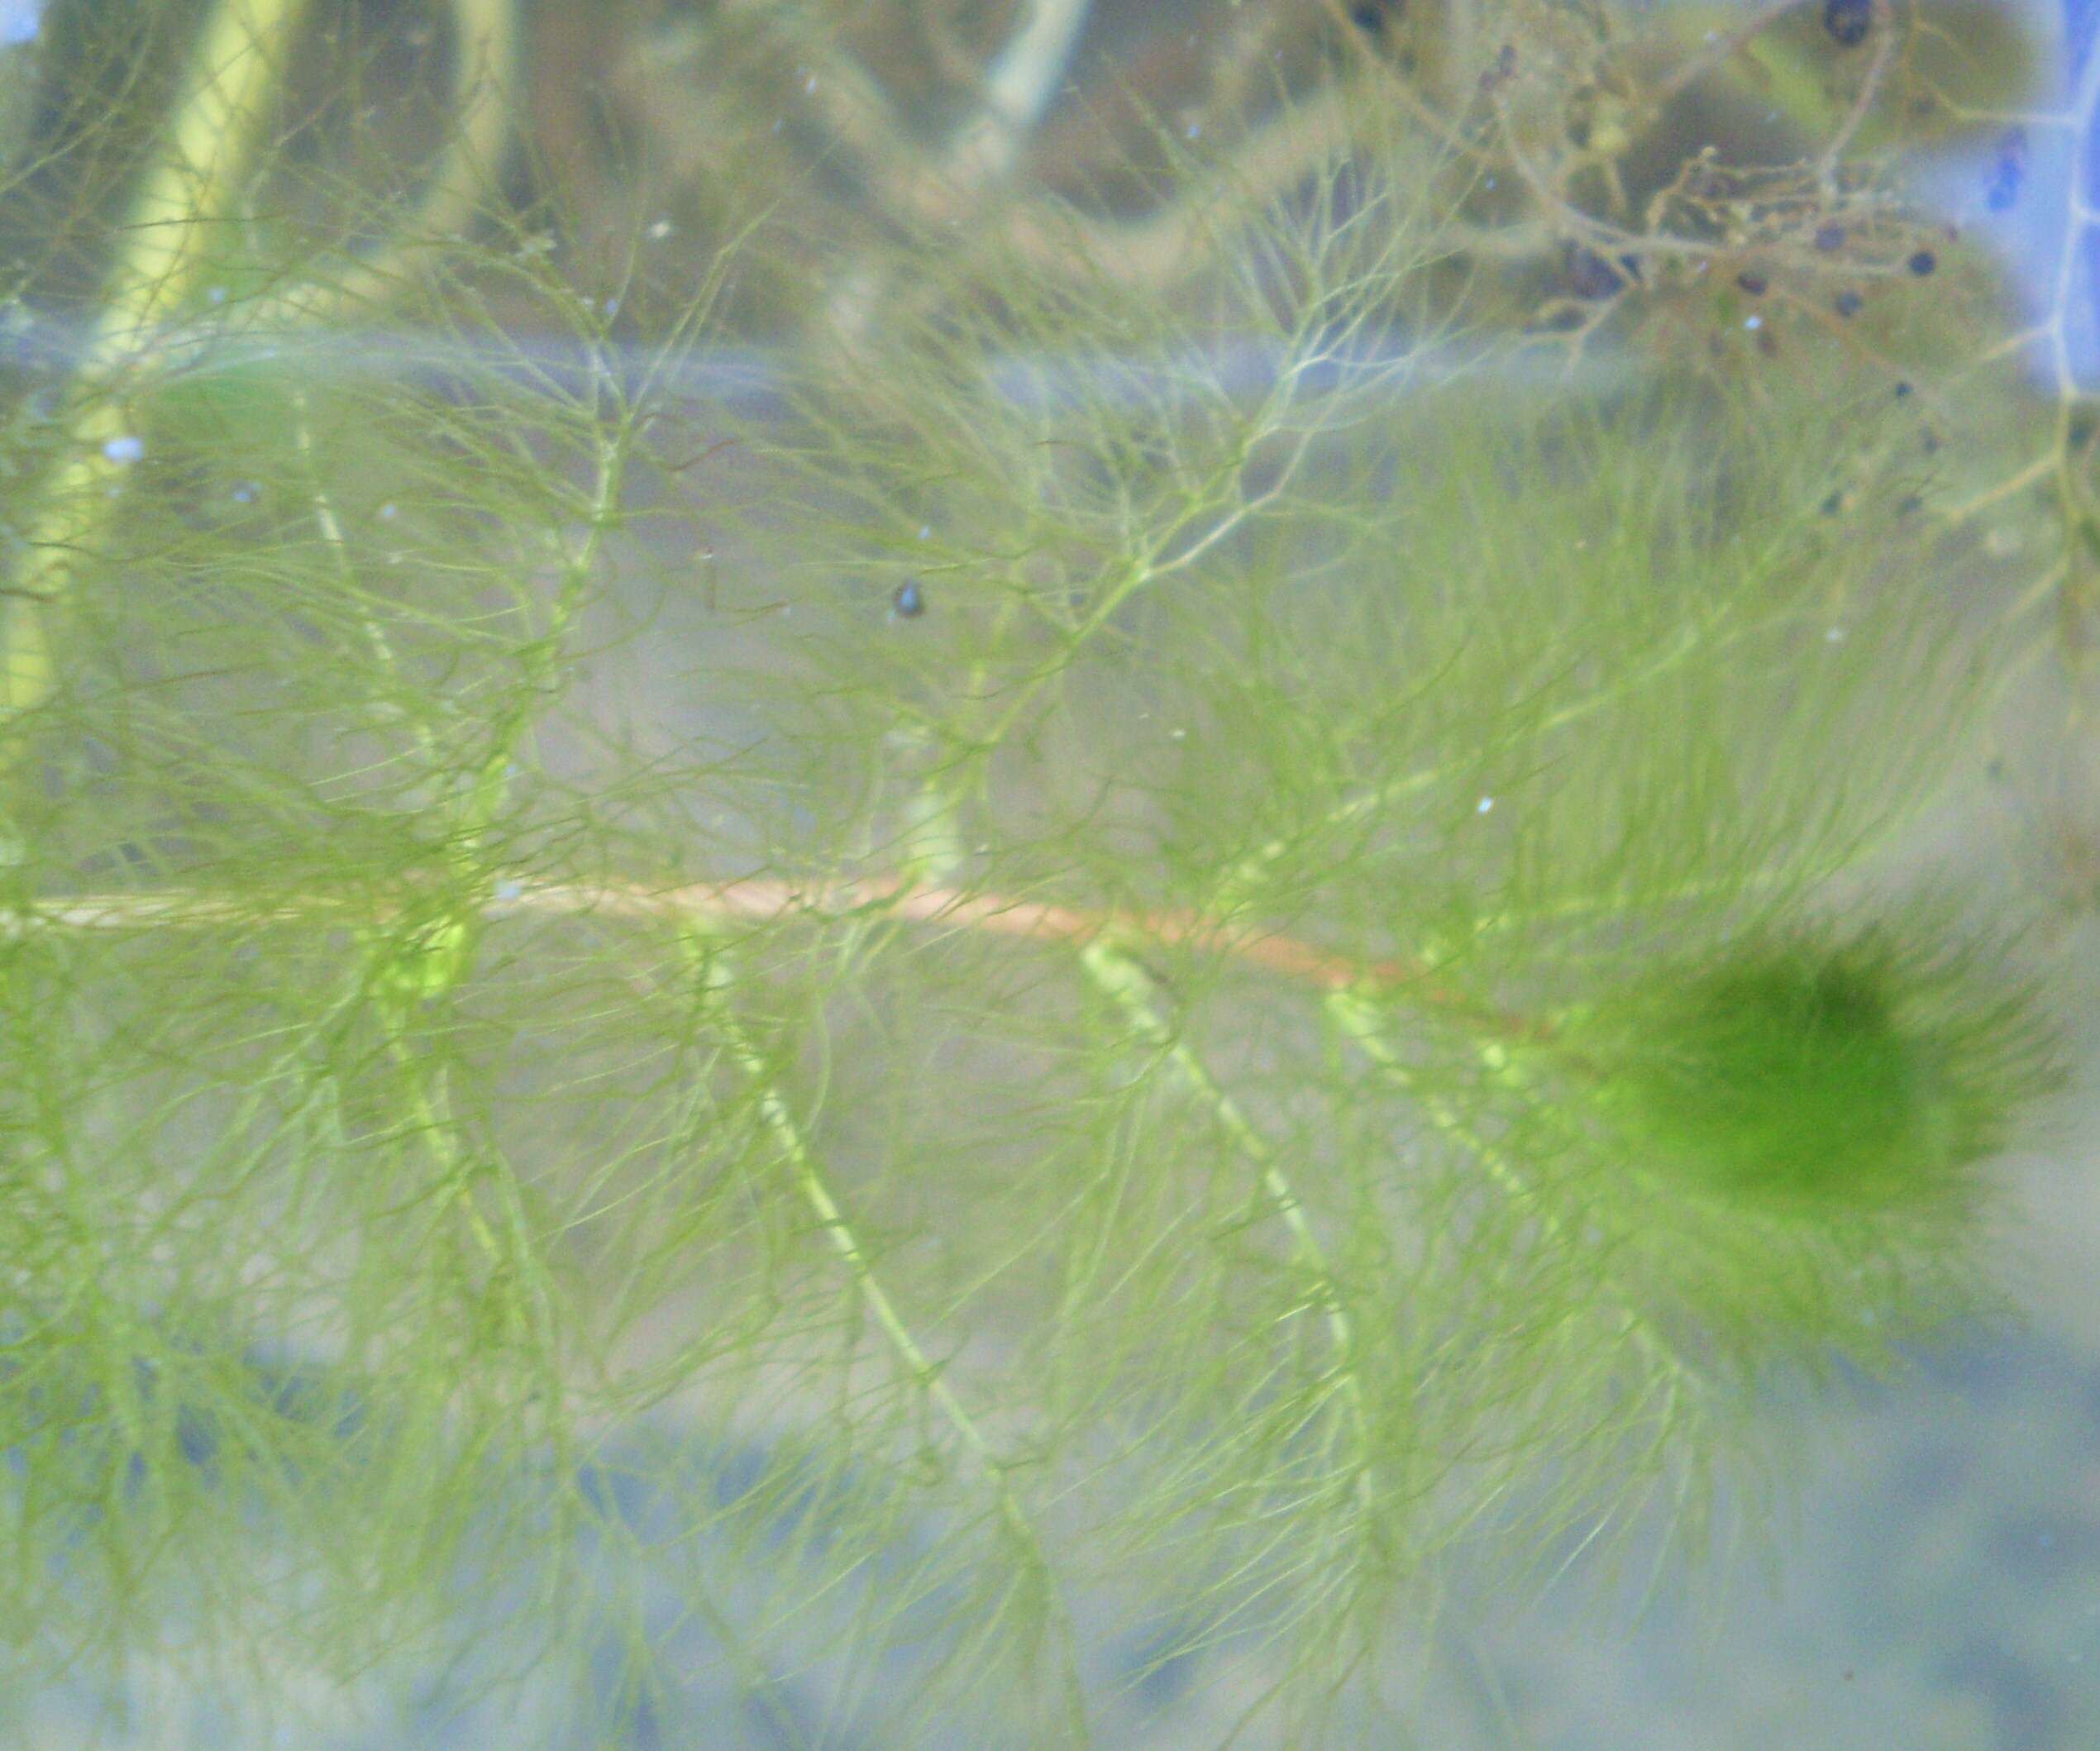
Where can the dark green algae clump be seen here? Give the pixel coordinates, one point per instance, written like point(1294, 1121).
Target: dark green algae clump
point(1801, 1074)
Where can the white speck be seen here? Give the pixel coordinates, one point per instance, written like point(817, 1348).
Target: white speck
point(810, 84)
point(659, 229)
point(1177, 735)
point(1754, 321)
point(1484, 804)
point(1835, 636)
point(611, 307)
point(925, 531)
point(244, 491)
point(1713, 37)
point(509, 889)
point(1489, 184)
point(124, 449)
point(215, 295)
point(1195, 130)
point(20, 20)
point(387, 513)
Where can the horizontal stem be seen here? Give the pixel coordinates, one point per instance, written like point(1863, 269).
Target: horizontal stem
point(764, 899)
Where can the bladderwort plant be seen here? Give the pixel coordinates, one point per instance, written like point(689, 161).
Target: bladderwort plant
point(859, 934)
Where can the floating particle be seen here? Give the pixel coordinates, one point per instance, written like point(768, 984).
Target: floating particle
point(124, 449)
point(1922, 263)
point(1371, 16)
point(1483, 805)
point(388, 513)
point(1590, 275)
point(658, 229)
point(1754, 323)
point(1903, 390)
point(1847, 304)
point(910, 602)
point(1829, 238)
point(1756, 284)
point(244, 491)
point(1848, 21)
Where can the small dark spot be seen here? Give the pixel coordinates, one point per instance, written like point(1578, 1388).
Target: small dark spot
point(1909, 505)
point(1929, 444)
point(910, 602)
point(1631, 264)
point(1505, 61)
point(1848, 21)
point(1590, 275)
point(1371, 17)
point(1756, 284)
point(1768, 343)
point(1833, 504)
point(1829, 237)
point(1902, 389)
point(1848, 303)
point(1922, 263)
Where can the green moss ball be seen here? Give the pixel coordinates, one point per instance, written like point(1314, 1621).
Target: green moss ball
point(1783, 1075)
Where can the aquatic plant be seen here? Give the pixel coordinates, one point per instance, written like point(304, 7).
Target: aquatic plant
point(1048, 858)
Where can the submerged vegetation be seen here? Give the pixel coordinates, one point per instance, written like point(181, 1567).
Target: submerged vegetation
point(849, 840)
